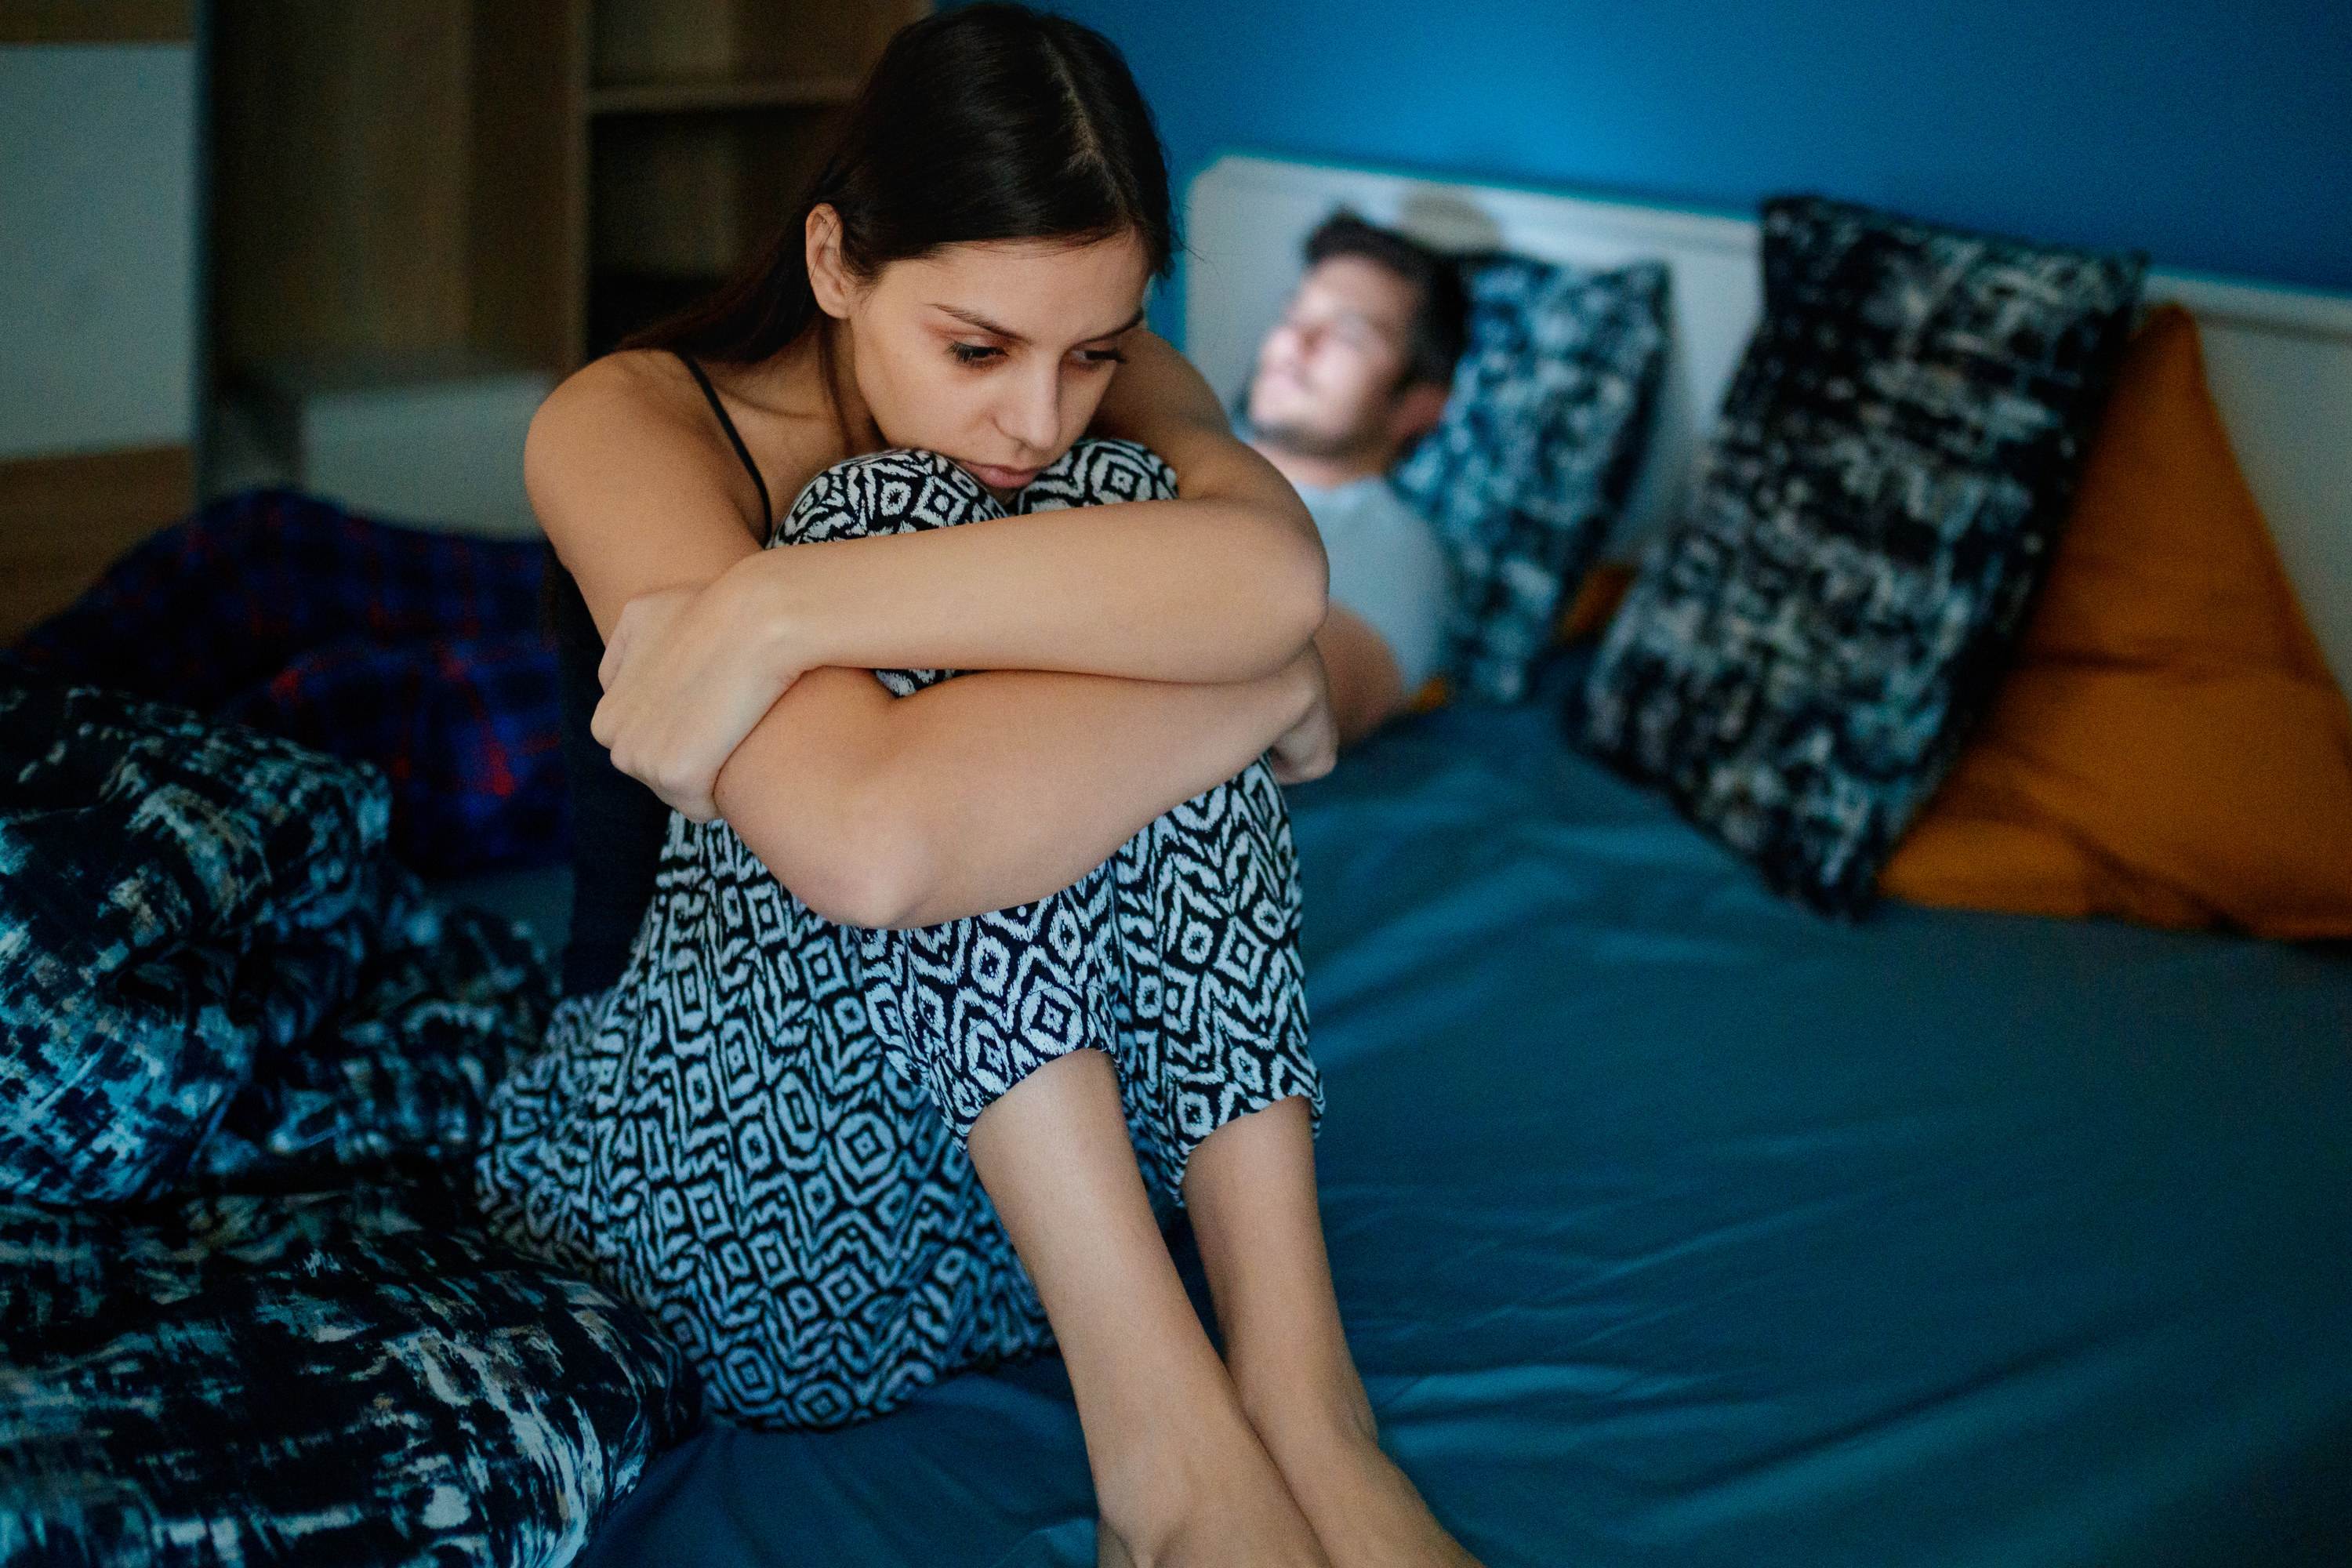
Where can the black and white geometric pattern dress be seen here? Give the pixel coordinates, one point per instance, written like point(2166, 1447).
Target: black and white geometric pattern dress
point(758, 1134)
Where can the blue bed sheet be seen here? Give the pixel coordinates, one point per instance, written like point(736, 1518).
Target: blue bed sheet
point(1675, 1225)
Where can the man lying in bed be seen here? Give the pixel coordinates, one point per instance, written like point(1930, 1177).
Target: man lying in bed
point(1352, 375)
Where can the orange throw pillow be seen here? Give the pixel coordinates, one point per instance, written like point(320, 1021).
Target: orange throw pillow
point(2169, 747)
point(1595, 605)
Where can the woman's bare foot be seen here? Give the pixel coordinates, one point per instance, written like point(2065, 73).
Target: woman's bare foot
point(1208, 1498)
point(1180, 1475)
point(1363, 1511)
point(1251, 1191)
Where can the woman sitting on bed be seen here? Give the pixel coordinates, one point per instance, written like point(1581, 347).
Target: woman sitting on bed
point(940, 989)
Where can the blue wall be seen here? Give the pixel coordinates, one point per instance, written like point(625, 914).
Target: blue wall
point(2216, 136)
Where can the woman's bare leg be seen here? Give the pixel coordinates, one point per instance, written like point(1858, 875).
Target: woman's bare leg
point(1250, 1187)
point(1180, 1474)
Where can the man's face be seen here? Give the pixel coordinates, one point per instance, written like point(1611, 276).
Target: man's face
point(1330, 375)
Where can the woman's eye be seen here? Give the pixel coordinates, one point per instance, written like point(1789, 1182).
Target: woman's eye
point(1101, 356)
point(973, 354)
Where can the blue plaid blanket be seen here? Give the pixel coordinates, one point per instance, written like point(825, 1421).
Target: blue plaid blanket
point(422, 653)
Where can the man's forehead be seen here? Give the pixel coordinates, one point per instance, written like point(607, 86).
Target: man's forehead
point(1362, 287)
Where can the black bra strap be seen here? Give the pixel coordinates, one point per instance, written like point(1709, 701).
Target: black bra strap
point(735, 438)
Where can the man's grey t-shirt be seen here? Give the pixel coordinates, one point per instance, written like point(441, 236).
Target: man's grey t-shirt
point(1387, 567)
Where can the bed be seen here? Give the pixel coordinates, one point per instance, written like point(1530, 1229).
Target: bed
point(1673, 1220)
point(1673, 1223)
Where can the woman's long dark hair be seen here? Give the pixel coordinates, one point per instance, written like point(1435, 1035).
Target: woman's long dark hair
point(990, 121)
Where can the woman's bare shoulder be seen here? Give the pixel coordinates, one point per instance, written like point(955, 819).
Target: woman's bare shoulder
point(644, 406)
point(1157, 394)
point(633, 482)
point(634, 389)
point(1160, 400)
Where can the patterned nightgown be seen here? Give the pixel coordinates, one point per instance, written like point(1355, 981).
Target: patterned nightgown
point(758, 1134)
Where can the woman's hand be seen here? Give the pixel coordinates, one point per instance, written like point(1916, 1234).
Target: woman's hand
point(1309, 748)
point(688, 673)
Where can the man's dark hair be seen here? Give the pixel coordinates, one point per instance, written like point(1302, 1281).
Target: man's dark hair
point(1434, 337)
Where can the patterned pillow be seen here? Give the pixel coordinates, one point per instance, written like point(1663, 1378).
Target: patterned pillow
point(1537, 451)
point(1799, 658)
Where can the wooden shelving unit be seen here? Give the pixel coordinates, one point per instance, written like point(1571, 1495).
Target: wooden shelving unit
point(704, 97)
point(701, 120)
point(520, 181)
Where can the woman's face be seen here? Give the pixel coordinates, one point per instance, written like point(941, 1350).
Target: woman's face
point(994, 355)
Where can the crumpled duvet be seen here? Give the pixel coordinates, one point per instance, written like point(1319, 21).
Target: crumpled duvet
point(418, 651)
point(246, 1315)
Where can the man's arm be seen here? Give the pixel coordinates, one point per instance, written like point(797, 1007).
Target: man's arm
point(1367, 688)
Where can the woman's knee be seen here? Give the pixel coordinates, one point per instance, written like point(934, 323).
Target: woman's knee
point(898, 492)
point(1098, 472)
point(908, 489)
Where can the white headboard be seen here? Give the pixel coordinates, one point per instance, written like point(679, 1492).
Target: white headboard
point(2279, 358)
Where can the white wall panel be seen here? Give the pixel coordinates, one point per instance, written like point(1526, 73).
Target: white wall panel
point(97, 246)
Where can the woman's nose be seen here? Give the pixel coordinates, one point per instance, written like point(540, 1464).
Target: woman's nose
point(1033, 415)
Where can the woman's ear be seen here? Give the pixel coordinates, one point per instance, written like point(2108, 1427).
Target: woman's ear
point(829, 276)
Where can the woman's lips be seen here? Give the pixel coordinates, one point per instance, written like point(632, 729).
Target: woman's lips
point(998, 478)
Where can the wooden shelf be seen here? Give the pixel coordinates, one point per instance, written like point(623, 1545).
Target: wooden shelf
point(721, 94)
point(414, 176)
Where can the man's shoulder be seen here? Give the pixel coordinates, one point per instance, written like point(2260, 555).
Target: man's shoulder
point(1371, 500)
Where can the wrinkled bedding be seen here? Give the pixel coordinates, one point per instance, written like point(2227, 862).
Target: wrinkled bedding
point(246, 1315)
point(1675, 1226)
point(356, 1376)
point(418, 651)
